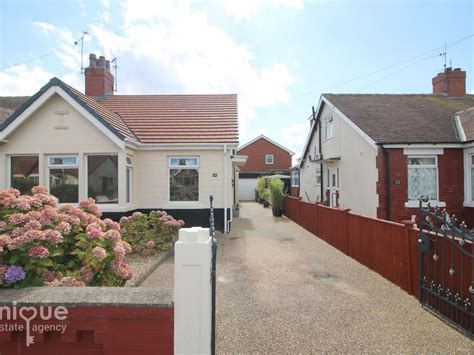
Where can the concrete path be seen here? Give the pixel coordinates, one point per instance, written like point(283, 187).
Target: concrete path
point(283, 290)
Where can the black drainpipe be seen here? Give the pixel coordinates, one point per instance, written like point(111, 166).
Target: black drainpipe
point(388, 201)
point(321, 154)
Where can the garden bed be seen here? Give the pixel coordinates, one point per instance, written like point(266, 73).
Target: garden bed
point(143, 266)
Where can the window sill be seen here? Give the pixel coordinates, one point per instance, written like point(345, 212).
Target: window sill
point(468, 204)
point(416, 204)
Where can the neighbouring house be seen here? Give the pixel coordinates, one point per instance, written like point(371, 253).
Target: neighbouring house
point(265, 157)
point(377, 154)
point(129, 152)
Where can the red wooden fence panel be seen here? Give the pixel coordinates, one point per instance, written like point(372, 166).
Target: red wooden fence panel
point(391, 249)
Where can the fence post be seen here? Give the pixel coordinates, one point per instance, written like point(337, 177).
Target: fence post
point(192, 292)
point(346, 231)
point(409, 224)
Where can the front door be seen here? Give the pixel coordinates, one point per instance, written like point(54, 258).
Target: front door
point(333, 185)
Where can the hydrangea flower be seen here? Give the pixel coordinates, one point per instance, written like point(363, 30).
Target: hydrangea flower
point(99, 253)
point(14, 274)
point(38, 251)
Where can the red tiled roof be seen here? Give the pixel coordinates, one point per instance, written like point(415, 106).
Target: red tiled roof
point(178, 118)
point(112, 118)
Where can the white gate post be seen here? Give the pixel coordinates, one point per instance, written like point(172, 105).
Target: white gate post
point(192, 292)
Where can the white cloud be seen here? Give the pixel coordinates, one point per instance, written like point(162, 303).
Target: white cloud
point(21, 80)
point(68, 52)
point(243, 9)
point(106, 10)
point(170, 47)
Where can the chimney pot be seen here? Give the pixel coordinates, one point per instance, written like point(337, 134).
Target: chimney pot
point(98, 78)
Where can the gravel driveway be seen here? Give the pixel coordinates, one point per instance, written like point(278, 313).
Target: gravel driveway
point(283, 290)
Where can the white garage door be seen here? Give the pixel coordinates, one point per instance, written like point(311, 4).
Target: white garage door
point(247, 189)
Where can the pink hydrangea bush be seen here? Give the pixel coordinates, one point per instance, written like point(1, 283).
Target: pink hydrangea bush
point(42, 244)
point(148, 233)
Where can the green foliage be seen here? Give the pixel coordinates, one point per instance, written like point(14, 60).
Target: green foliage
point(276, 193)
point(148, 233)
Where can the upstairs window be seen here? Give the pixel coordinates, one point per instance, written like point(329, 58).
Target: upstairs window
point(295, 178)
point(102, 178)
point(64, 178)
point(184, 179)
point(328, 128)
point(269, 159)
point(318, 176)
point(422, 177)
point(24, 173)
point(472, 177)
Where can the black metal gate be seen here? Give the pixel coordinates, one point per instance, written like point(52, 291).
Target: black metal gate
point(212, 233)
point(447, 268)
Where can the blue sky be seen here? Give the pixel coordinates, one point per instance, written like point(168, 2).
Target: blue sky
point(278, 55)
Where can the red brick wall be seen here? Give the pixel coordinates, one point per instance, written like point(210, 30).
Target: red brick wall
point(256, 157)
point(450, 179)
point(98, 331)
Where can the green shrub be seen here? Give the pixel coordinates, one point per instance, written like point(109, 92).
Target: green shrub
point(41, 244)
point(148, 233)
point(276, 193)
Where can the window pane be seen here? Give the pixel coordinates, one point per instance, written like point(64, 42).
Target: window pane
point(64, 184)
point(472, 159)
point(102, 178)
point(472, 184)
point(24, 173)
point(63, 160)
point(422, 182)
point(184, 185)
point(184, 161)
point(129, 188)
point(422, 161)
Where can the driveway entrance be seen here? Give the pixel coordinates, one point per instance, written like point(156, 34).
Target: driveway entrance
point(282, 290)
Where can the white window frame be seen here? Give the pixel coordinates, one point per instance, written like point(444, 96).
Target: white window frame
point(197, 167)
point(86, 178)
point(9, 166)
point(318, 176)
point(295, 177)
point(469, 165)
point(328, 127)
point(416, 203)
point(50, 166)
point(266, 159)
point(129, 170)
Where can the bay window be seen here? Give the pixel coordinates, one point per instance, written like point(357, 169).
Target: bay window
point(64, 178)
point(102, 178)
point(24, 173)
point(184, 179)
point(129, 178)
point(422, 177)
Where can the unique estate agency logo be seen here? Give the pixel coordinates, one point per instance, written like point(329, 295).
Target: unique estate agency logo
point(13, 313)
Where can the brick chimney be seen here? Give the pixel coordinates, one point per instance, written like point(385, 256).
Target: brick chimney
point(450, 83)
point(99, 79)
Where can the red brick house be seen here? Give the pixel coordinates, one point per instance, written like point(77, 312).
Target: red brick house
point(265, 157)
point(377, 154)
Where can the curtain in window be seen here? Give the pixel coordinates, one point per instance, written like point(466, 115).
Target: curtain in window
point(422, 182)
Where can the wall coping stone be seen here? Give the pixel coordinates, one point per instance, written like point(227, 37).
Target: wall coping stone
point(88, 297)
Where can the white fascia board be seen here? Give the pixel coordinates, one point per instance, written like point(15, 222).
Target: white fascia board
point(423, 151)
point(459, 128)
point(424, 146)
point(43, 98)
point(268, 140)
point(351, 124)
point(308, 138)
